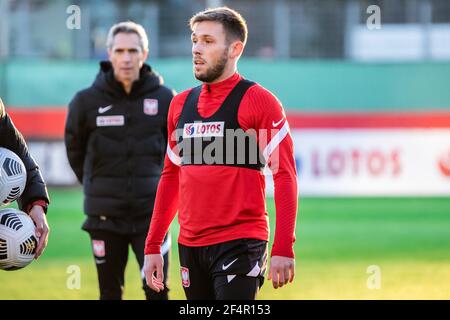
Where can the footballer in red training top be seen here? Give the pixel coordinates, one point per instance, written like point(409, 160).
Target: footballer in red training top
point(223, 135)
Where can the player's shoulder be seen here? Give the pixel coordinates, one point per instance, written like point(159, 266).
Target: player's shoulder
point(259, 95)
point(176, 105)
point(180, 98)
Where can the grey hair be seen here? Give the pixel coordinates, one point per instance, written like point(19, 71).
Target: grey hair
point(128, 27)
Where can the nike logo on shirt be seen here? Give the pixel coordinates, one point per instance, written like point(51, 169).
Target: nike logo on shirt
point(104, 109)
point(275, 124)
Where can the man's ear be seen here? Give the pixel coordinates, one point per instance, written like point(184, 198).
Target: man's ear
point(146, 54)
point(237, 48)
point(109, 54)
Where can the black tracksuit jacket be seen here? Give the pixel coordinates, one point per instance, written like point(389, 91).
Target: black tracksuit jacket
point(12, 139)
point(116, 145)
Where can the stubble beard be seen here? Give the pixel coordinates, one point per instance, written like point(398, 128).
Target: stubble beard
point(216, 71)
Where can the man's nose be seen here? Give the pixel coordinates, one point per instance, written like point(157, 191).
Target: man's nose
point(127, 56)
point(196, 49)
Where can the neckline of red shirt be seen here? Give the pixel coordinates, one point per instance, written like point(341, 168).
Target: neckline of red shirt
point(228, 82)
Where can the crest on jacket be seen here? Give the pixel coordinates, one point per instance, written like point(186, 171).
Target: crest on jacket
point(151, 107)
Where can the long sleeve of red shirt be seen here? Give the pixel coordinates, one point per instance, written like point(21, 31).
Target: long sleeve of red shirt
point(217, 203)
point(166, 202)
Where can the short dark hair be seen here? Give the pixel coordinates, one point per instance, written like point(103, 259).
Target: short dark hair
point(233, 23)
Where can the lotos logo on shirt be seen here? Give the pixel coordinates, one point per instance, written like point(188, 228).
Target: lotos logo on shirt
point(203, 129)
point(189, 130)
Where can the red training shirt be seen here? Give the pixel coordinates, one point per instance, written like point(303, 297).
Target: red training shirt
point(222, 203)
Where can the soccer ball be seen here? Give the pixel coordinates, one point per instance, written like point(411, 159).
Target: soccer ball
point(13, 176)
point(18, 241)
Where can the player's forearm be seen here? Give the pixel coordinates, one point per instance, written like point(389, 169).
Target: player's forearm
point(158, 228)
point(166, 206)
point(286, 203)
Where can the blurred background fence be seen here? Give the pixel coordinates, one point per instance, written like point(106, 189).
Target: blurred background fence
point(306, 29)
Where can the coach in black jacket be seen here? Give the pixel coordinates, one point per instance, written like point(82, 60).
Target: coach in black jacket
point(34, 199)
point(116, 137)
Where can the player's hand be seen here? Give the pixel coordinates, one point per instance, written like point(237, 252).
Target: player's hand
point(154, 263)
point(282, 271)
point(37, 214)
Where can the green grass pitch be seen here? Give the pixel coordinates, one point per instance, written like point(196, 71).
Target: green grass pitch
point(338, 239)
